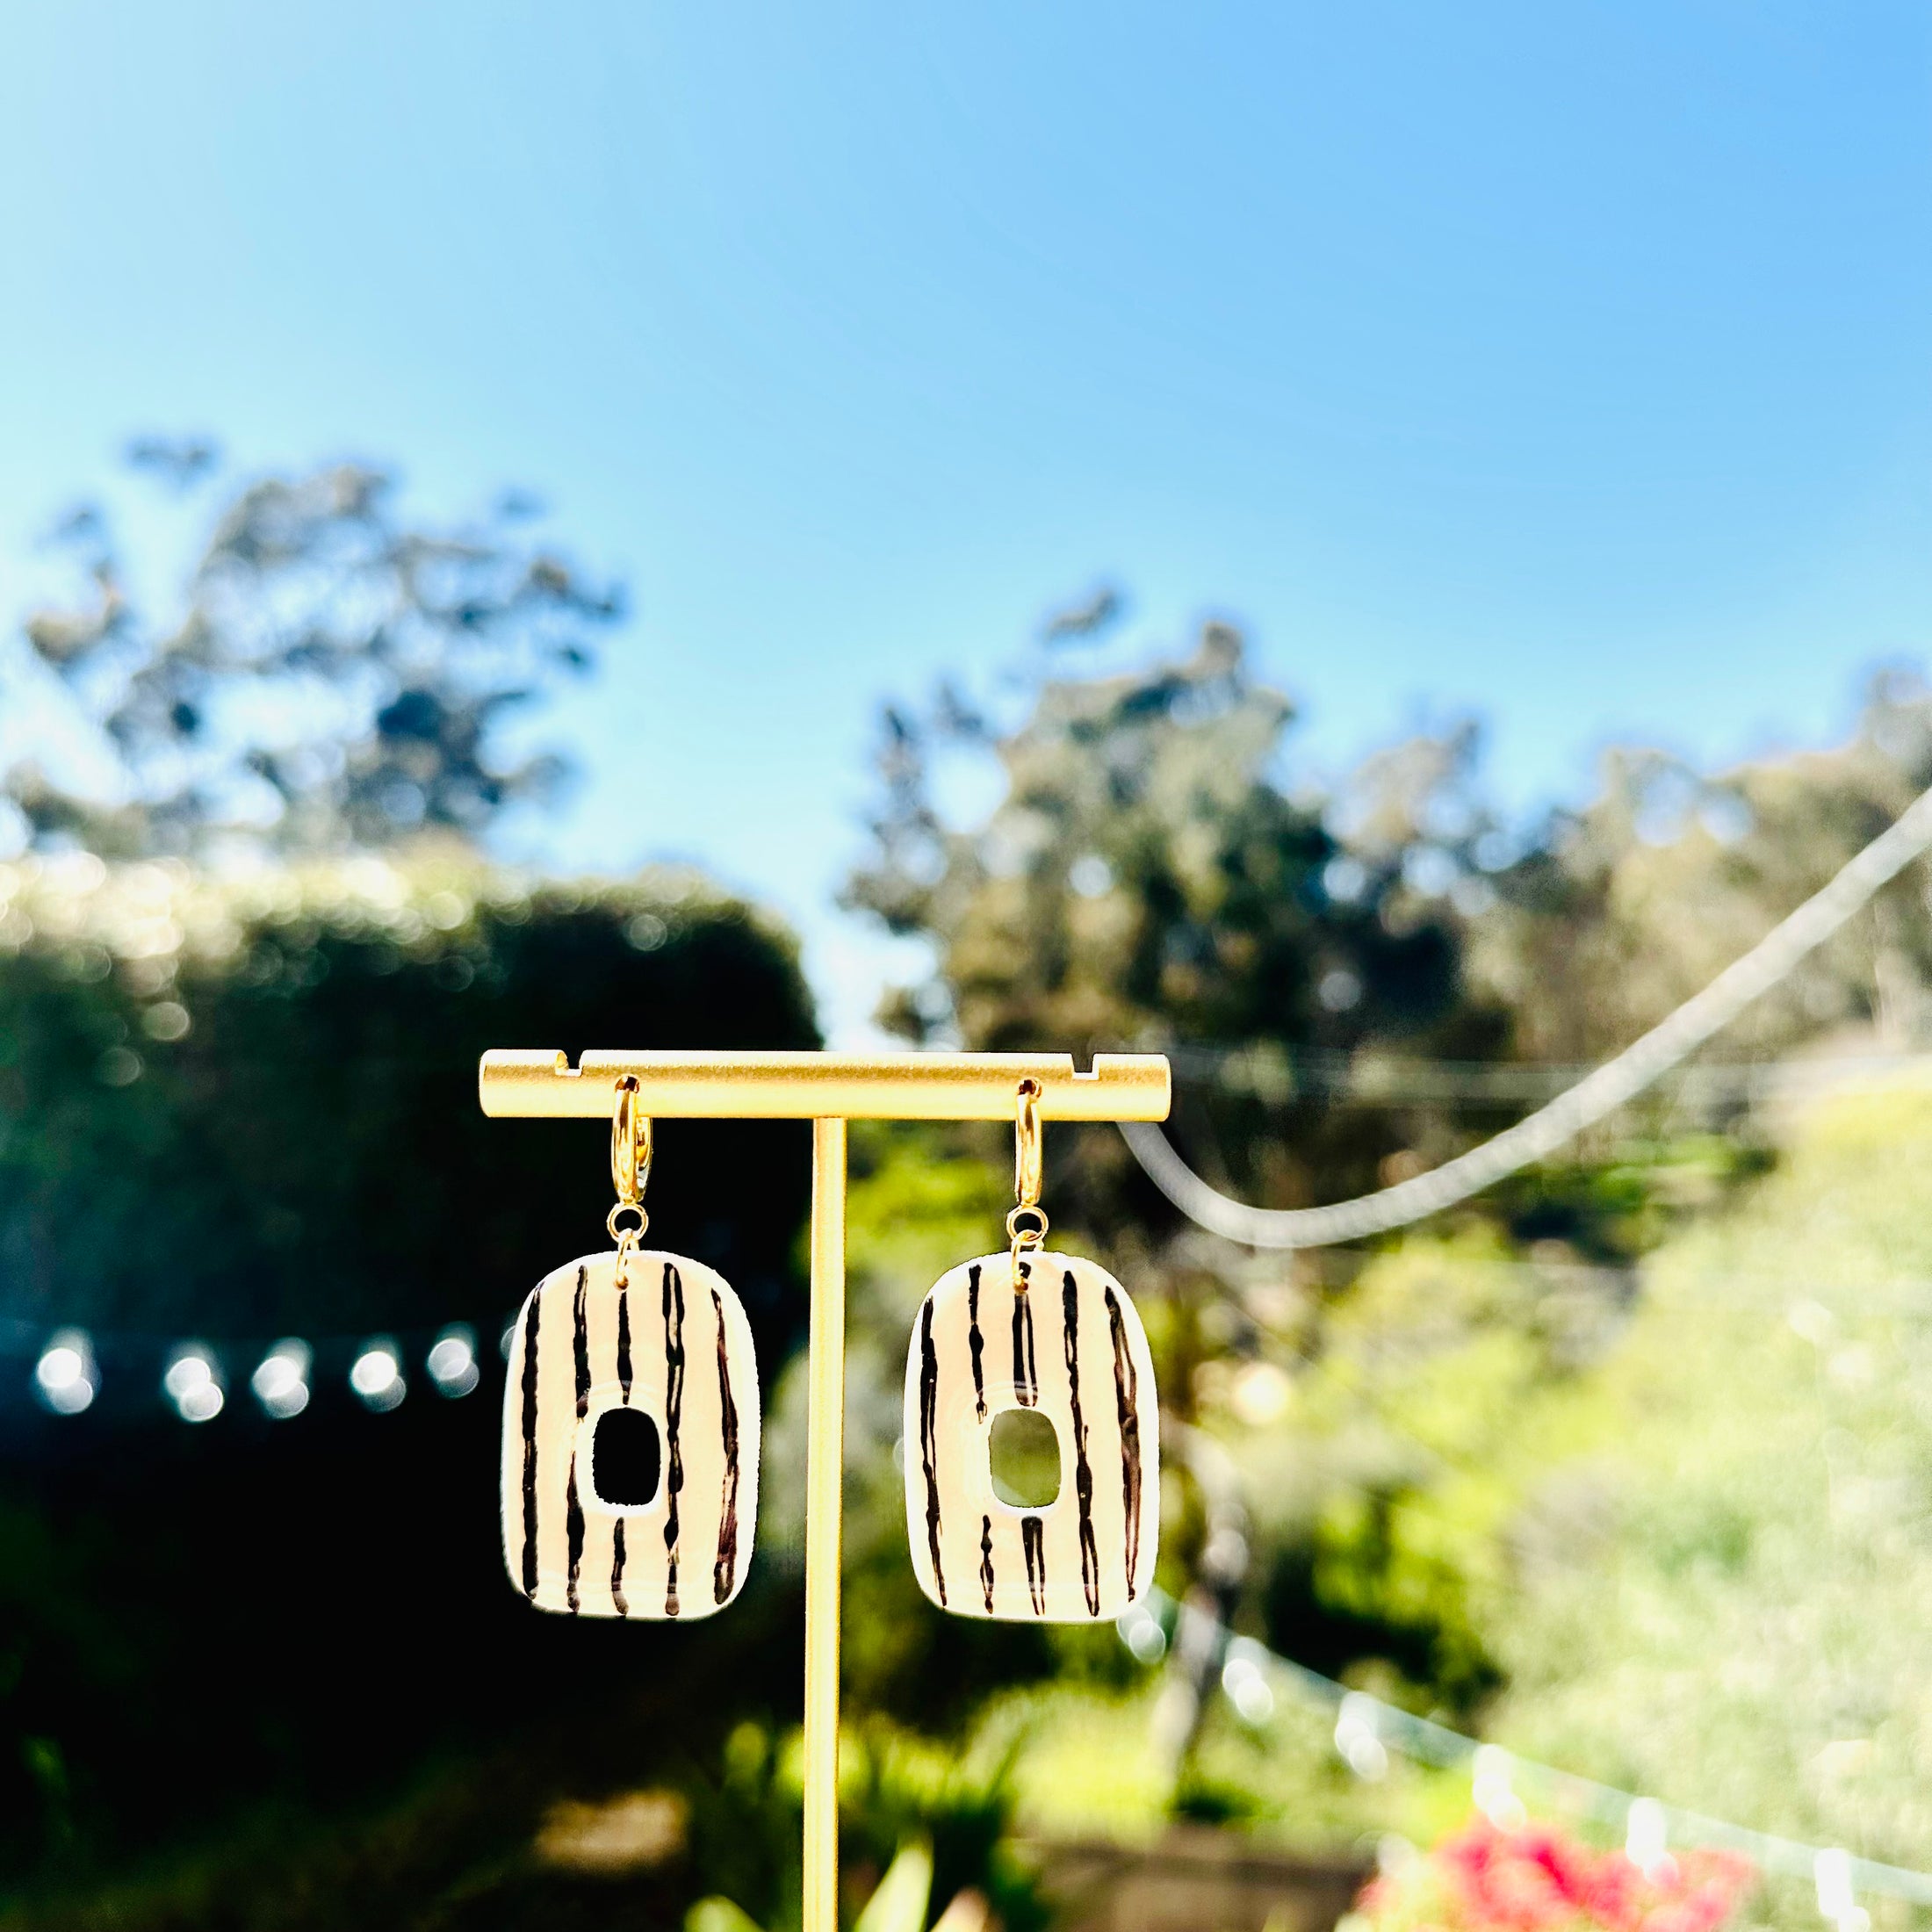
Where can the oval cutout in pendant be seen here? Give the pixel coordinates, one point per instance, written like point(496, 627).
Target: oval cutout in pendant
point(626, 1458)
point(1025, 1454)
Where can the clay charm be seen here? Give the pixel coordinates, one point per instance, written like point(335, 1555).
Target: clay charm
point(631, 1437)
point(1059, 1335)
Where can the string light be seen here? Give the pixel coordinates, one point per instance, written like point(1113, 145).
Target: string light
point(1497, 1775)
point(451, 1361)
point(193, 1383)
point(1831, 1870)
point(1245, 1682)
point(1646, 1837)
point(65, 1376)
point(1358, 1737)
point(1491, 1789)
point(1141, 1631)
point(377, 1376)
point(281, 1382)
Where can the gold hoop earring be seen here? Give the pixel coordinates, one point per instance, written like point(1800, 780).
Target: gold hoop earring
point(630, 1145)
point(631, 1422)
point(1090, 1553)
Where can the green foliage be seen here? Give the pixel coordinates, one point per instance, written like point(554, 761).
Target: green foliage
point(1149, 875)
point(744, 1830)
point(899, 1904)
point(1618, 912)
point(1622, 1204)
point(718, 1915)
point(1682, 1511)
point(334, 674)
point(917, 1827)
point(1389, 1436)
point(246, 1109)
point(251, 1106)
point(1381, 1484)
point(897, 1790)
point(1658, 1520)
point(1722, 1602)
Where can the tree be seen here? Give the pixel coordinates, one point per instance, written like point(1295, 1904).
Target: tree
point(1155, 874)
point(335, 676)
point(1151, 877)
point(1619, 911)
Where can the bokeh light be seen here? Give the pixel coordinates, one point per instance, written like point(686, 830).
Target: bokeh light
point(281, 1382)
point(376, 1375)
point(451, 1361)
point(66, 1377)
point(1242, 1679)
point(193, 1383)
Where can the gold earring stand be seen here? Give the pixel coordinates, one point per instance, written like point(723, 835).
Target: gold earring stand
point(827, 1089)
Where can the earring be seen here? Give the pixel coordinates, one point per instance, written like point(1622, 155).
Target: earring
point(1090, 1553)
point(631, 1423)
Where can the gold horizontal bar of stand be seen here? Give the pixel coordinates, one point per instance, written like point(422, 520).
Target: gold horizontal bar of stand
point(802, 1086)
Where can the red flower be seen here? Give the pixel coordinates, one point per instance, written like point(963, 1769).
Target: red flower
point(1539, 1880)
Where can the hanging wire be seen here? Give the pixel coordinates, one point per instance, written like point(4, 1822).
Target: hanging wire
point(1593, 1098)
point(1367, 1729)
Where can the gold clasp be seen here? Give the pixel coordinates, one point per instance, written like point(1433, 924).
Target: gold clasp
point(629, 1173)
point(1026, 1224)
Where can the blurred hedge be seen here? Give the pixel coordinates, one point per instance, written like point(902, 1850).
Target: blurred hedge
point(242, 1109)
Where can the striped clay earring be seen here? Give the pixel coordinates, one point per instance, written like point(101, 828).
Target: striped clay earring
point(631, 1423)
point(977, 1351)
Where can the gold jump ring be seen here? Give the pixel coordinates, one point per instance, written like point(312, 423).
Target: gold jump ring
point(1026, 1227)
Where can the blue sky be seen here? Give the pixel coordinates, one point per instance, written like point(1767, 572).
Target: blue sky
point(1570, 364)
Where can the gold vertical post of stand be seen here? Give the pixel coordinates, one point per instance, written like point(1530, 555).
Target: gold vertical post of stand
point(824, 1479)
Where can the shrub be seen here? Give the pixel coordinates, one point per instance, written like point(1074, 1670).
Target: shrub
point(245, 1108)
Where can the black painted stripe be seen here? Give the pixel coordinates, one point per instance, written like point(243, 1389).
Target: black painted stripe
point(1126, 1408)
point(580, 1315)
point(573, 1511)
point(725, 1570)
point(1032, 1539)
point(532, 1323)
point(1025, 1366)
point(674, 1409)
point(1083, 1470)
point(624, 1339)
point(929, 1440)
point(976, 1343)
point(987, 1560)
point(573, 1529)
point(617, 1570)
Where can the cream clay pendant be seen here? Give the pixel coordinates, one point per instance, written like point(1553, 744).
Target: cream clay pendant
point(630, 1425)
point(1056, 1334)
